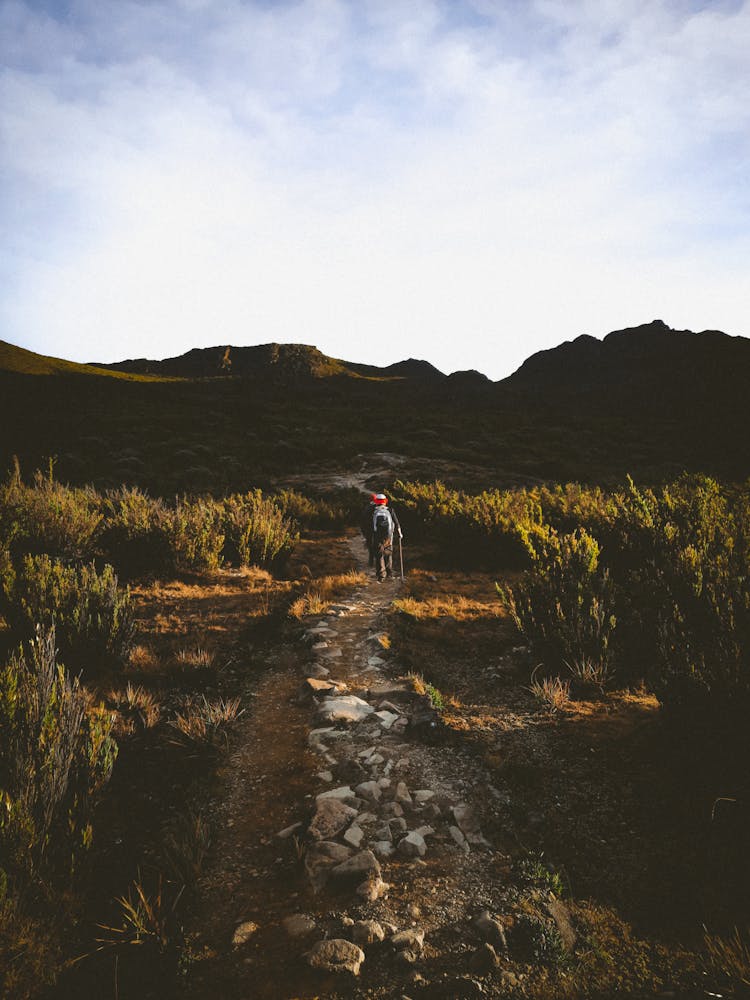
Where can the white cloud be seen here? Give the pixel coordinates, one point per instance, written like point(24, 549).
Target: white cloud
point(466, 184)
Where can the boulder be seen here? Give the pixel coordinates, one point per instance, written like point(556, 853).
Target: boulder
point(347, 708)
point(412, 845)
point(412, 938)
point(369, 790)
point(336, 955)
point(354, 836)
point(321, 858)
point(357, 868)
point(468, 823)
point(402, 796)
point(298, 925)
point(366, 932)
point(342, 793)
point(331, 817)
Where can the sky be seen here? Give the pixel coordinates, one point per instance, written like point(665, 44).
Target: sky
point(464, 181)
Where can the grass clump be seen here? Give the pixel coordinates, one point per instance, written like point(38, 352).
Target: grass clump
point(204, 723)
point(726, 962)
point(195, 533)
point(552, 692)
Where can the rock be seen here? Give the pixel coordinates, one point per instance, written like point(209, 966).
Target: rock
point(394, 690)
point(243, 932)
point(322, 644)
point(412, 938)
point(407, 957)
point(367, 753)
point(386, 719)
point(424, 831)
point(367, 932)
point(331, 654)
point(321, 858)
point(354, 836)
point(336, 955)
point(414, 911)
point(484, 959)
point(347, 921)
point(392, 809)
point(375, 759)
point(317, 670)
point(383, 783)
point(347, 708)
point(375, 661)
point(423, 795)
point(358, 867)
point(402, 796)
point(383, 849)
point(561, 915)
point(299, 925)
point(412, 845)
point(332, 815)
point(288, 831)
point(491, 930)
point(325, 776)
point(397, 825)
point(369, 790)
point(366, 818)
point(468, 823)
point(383, 833)
point(459, 838)
point(342, 793)
point(372, 889)
point(318, 686)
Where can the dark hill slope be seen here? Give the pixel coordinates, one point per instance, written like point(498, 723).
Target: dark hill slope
point(274, 361)
point(649, 401)
point(638, 362)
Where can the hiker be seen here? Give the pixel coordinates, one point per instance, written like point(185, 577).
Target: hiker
point(365, 524)
point(384, 526)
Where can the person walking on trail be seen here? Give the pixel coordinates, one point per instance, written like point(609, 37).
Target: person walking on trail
point(365, 524)
point(384, 526)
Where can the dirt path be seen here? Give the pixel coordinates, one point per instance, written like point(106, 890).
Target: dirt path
point(402, 836)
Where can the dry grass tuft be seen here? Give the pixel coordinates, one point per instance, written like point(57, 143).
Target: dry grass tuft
point(205, 722)
point(138, 708)
point(324, 591)
point(552, 692)
point(727, 960)
point(198, 657)
point(143, 658)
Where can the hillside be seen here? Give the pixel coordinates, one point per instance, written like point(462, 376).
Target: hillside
point(648, 401)
point(275, 361)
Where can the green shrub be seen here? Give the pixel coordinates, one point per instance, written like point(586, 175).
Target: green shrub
point(257, 532)
point(338, 510)
point(134, 535)
point(503, 527)
point(49, 517)
point(195, 534)
point(564, 605)
point(93, 616)
point(56, 752)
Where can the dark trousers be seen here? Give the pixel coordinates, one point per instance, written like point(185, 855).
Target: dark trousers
point(383, 559)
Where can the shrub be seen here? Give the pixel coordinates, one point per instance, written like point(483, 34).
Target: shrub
point(204, 723)
point(564, 605)
point(93, 616)
point(336, 511)
point(56, 752)
point(49, 517)
point(134, 535)
point(257, 531)
point(194, 530)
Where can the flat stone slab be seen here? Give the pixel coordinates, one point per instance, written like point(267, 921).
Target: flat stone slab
point(347, 708)
point(243, 933)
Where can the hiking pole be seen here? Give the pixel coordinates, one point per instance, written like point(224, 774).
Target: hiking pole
point(401, 556)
